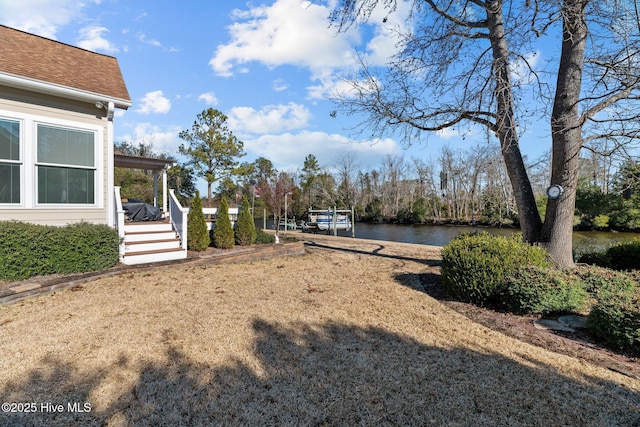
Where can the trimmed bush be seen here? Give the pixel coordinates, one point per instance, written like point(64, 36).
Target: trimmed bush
point(262, 237)
point(475, 265)
point(197, 233)
point(223, 237)
point(245, 227)
point(28, 250)
point(541, 290)
point(615, 320)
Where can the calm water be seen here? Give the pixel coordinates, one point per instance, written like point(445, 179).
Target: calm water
point(437, 235)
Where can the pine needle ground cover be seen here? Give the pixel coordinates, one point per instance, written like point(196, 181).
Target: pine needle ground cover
point(339, 336)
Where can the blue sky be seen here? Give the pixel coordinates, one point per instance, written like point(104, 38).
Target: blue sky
point(268, 66)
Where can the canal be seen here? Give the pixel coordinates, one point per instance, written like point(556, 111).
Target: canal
point(440, 235)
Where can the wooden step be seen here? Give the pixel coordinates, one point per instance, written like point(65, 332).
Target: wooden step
point(137, 236)
point(144, 245)
point(157, 255)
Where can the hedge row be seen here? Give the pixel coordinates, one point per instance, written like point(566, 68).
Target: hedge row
point(28, 250)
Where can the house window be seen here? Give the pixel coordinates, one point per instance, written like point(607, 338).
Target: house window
point(65, 165)
point(10, 164)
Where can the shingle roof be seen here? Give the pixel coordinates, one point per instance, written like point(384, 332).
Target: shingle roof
point(38, 58)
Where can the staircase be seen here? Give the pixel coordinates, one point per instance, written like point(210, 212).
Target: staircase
point(147, 242)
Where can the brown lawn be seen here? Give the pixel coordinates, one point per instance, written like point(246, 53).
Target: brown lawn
point(343, 335)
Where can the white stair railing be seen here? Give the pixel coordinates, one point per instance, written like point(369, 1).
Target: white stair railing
point(178, 218)
point(119, 220)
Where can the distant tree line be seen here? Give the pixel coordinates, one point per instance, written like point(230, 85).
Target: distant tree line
point(459, 186)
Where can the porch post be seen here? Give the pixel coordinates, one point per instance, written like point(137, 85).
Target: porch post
point(164, 188)
point(155, 190)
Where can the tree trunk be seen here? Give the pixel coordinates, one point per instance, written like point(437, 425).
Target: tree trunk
point(566, 130)
point(505, 129)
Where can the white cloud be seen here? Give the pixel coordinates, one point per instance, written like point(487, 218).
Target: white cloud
point(522, 67)
point(287, 151)
point(154, 102)
point(287, 32)
point(269, 119)
point(161, 140)
point(461, 132)
point(209, 98)
point(143, 39)
point(42, 17)
point(448, 133)
point(297, 32)
point(279, 85)
point(91, 38)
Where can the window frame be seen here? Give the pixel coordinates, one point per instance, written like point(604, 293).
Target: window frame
point(96, 168)
point(20, 162)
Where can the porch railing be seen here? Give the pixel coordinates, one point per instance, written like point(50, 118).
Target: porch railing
point(178, 217)
point(119, 219)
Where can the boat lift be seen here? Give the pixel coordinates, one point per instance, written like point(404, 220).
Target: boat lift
point(334, 215)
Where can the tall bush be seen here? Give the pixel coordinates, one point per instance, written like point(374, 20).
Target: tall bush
point(245, 227)
point(223, 237)
point(197, 233)
point(475, 265)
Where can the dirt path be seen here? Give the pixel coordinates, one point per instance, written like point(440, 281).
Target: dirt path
point(345, 334)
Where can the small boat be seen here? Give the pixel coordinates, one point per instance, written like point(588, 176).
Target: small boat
point(324, 221)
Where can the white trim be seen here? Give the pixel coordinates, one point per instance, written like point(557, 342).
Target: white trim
point(19, 162)
point(111, 205)
point(59, 90)
point(98, 183)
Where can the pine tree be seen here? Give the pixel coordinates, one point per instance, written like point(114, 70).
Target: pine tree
point(245, 228)
point(223, 233)
point(197, 233)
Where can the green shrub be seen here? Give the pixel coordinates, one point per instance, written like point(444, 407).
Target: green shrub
point(262, 237)
point(615, 320)
point(600, 259)
point(197, 233)
point(245, 227)
point(475, 265)
point(86, 247)
point(223, 237)
point(601, 283)
point(542, 290)
point(28, 250)
point(625, 256)
point(622, 256)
